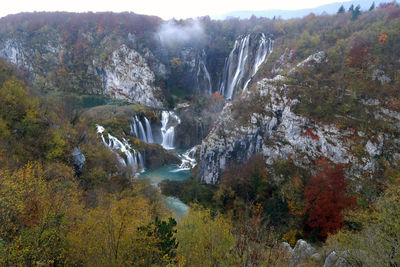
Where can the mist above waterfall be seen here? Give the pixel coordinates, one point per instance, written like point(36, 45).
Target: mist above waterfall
point(173, 31)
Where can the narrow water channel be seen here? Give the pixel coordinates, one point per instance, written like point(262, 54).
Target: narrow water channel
point(170, 172)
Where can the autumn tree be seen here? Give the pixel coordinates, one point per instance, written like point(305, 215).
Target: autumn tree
point(377, 241)
point(326, 197)
point(204, 240)
point(107, 235)
point(256, 241)
point(36, 216)
point(243, 183)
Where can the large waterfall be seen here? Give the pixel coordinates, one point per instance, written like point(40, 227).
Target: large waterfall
point(115, 145)
point(168, 123)
point(245, 59)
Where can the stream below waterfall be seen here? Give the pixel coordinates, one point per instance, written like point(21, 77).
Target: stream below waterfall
point(169, 172)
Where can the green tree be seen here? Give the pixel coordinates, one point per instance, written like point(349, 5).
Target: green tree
point(356, 13)
point(341, 10)
point(164, 232)
point(372, 6)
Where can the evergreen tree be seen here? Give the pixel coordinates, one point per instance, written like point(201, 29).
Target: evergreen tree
point(356, 13)
point(164, 232)
point(372, 6)
point(351, 8)
point(341, 10)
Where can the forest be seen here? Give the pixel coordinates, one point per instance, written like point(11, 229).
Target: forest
point(56, 212)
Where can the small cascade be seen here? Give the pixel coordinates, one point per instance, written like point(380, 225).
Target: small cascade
point(188, 159)
point(262, 51)
point(168, 122)
point(141, 161)
point(134, 129)
point(138, 129)
point(202, 69)
point(244, 61)
point(115, 145)
point(142, 133)
point(148, 131)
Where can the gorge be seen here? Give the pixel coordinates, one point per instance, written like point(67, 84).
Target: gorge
point(254, 142)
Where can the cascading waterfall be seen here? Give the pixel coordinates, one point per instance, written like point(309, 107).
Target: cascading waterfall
point(134, 128)
point(188, 159)
point(168, 130)
point(263, 49)
point(202, 68)
point(114, 144)
point(243, 63)
point(138, 129)
point(142, 133)
point(148, 131)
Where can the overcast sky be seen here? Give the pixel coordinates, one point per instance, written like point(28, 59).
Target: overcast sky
point(165, 9)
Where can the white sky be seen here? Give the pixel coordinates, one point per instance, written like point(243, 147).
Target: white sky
point(165, 9)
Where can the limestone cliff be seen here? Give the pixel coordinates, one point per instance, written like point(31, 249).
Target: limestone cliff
point(263, 121)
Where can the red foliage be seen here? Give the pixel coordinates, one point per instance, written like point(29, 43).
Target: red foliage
point(388, 5)
point(394, 14)
point(309, 132)
point(326, 196)
point(358, 53)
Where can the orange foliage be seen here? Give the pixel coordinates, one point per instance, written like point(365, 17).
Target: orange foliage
point(382, 38)
point(217, 95)
point(175, 63)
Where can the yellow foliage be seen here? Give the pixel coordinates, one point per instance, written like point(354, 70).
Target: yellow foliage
point(35, 214)
point(292, 236)
point(114, 223)
point(204, 240)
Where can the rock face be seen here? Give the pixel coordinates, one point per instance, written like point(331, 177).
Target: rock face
point(334, 260)
point(263, 121)
point(300, 253)
point(128, 77)
point(13, 52)
point(79, 160)
point(119, 71)
point(193, 75)
point(28, 58)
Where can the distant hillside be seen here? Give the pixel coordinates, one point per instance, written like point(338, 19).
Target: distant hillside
point(289, 14)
